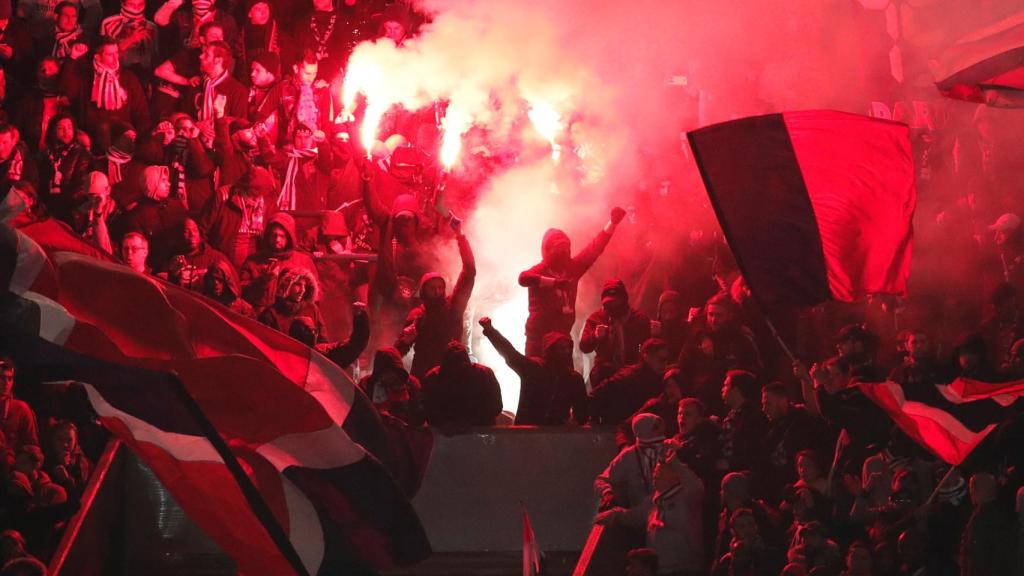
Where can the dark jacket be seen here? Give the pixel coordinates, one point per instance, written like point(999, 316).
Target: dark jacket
point(345, 353)
point(223, 222)
point(733, 349)
point(195, 267)
point(18, 167)
point(258, 284)
point(618, 397)
point(787, 436)
point(553, 308)
point(399, 266)
point(301, 320)
point(159, 221)
point(988, 543)
point(74, 166)
point(545, 395)
point(223, 271)
point(392, 390)
point(237, 96)
point(438, 325)
point(461, 394)
point(76, 81)
point(620, 347)
point(743, 433)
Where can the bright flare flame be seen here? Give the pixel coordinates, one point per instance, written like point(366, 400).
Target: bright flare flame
point(371, 121)
point(548, 123)
point(457, 121)
point(509, 318)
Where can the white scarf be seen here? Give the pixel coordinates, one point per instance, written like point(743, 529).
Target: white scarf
point(286, 199)
point(63, 41)
point(107, 93)
point(208, 111)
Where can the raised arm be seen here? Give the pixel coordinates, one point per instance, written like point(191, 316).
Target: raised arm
point(371, 200)
point(347, 352)
point(464, 285)
point(515, 359)
point(585, 259)
point(164, 12)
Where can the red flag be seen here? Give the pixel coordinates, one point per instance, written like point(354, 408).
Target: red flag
point(531, 551)
point(291, 416)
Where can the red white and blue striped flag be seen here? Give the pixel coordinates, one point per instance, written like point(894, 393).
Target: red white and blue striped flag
point(304, 434)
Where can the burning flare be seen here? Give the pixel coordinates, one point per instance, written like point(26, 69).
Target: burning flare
point(548, 123)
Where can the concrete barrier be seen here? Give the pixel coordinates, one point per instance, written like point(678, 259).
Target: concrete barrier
point(470, 499)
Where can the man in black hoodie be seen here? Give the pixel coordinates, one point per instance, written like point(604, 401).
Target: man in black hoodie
point(221, 284)
point(550, 387)
point(392, 390)
point(459, 393)
point(552, 283)
point(438, 319)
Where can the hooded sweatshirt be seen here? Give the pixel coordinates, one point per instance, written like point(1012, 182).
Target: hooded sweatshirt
point(392, 390)
point(222, 270)
point(553, 308)
point(258, 284)
point(438, 323)
point(546, 393)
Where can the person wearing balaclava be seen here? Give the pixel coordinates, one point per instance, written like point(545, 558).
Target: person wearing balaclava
point(157, 215)
point(438, 319)
point(625, 487)
point(551, 391)
point(552, 283)
point(614, 332)
point(402, 257)
point(459, 393)
point(392, 390)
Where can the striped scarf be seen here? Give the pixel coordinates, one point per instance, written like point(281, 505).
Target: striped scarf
point(57, 156)
point(107, 93)
point(252, 217)
point(116, 159)
point(114, 26)
point(202, 12)
point(63, 41)
point(208, 110)
point(286, 199)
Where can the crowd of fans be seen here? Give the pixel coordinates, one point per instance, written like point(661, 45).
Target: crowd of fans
point(205, 143)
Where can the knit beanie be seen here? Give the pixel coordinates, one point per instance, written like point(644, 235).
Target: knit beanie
point(269, 60)
point(648, 428)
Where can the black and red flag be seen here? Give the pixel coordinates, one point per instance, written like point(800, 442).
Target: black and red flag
point(947, 420)
point(815, 205)
point(986, 65)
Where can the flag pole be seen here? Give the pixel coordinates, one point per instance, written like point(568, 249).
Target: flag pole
point(252, 494)
point(938, 486)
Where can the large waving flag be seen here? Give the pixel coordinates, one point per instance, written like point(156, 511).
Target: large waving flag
point(295, 421)
point(815, 205)
point(948, 420)
point(987, 65)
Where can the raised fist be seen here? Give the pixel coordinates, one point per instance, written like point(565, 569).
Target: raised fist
point(617, 215)
point(358, 309)
point(485, 322)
